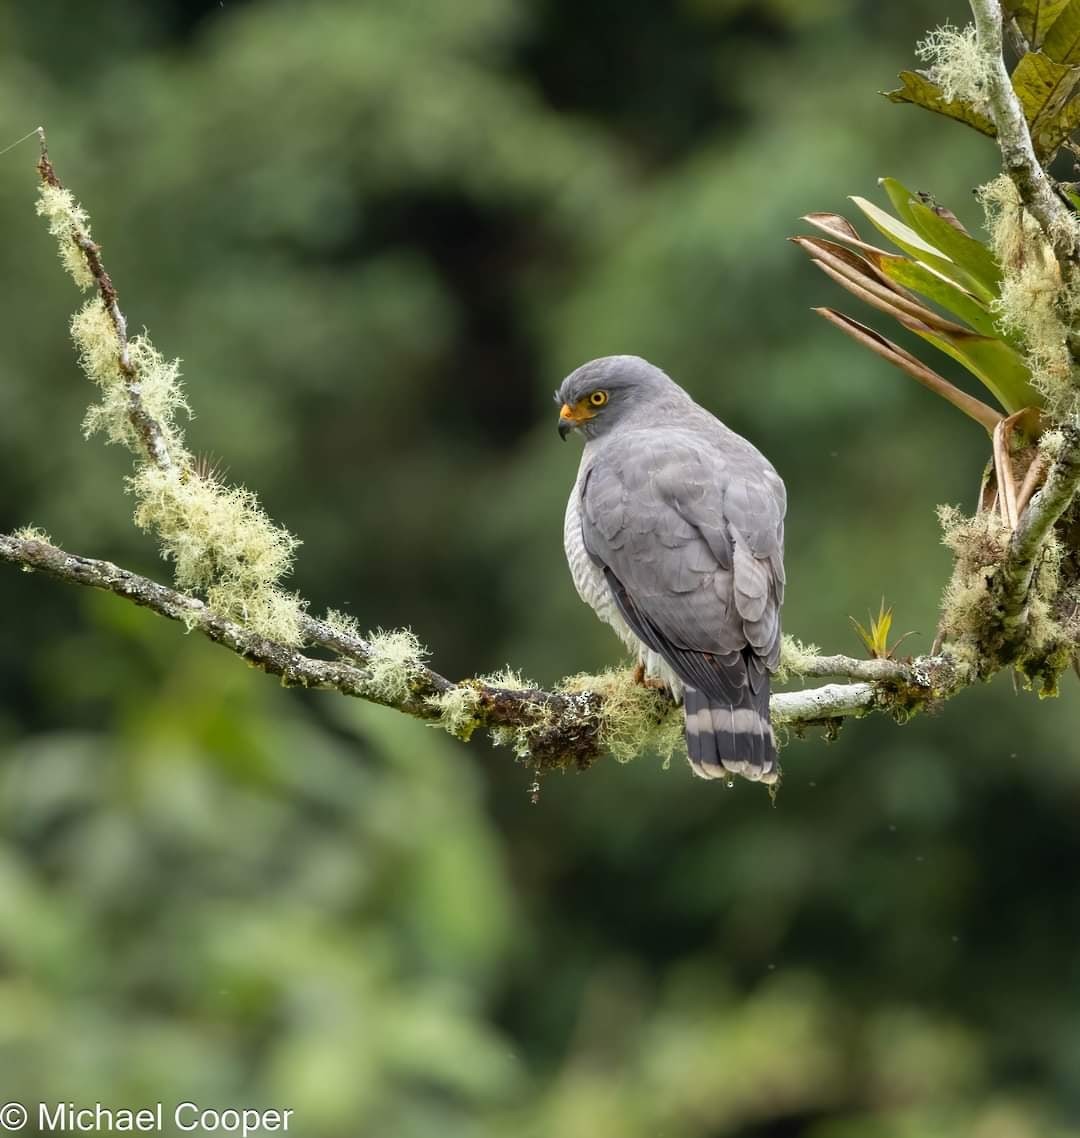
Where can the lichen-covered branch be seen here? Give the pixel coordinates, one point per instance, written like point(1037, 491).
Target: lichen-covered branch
point(230, 559)
point(379, 670)
point(1037, 522)
point(828, 702)
point(59, 206)
point(853, 668)
point(571, 726)
point(1014, 140)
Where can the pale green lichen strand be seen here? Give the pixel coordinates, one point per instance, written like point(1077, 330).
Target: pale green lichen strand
point(457, 710)
point(958, 65)
point(32, 533)
point(971, 627)
point(156, 382)
point(342, 624)
point(395, 661)
point(509, 678)
point(634, 718)
point(67, 218)
point(223, 545)
point(1035, 304)
point(795, 659)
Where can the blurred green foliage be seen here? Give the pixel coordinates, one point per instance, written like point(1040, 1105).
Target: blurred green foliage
point(379, 234)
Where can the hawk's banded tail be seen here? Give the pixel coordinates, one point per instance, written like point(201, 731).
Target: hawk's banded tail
point(722, 737)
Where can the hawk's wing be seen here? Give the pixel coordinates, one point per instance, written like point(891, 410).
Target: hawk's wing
point(690, 534)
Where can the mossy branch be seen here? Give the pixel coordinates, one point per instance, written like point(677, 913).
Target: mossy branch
point(1014, 140)
point(1036, 524)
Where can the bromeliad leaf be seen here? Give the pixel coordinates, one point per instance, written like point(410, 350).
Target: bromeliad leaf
point(906, 238)
point(903, 272)
point(997, 365)
point(876, 635)
point(863, 279)
point(982, 413)
point(950, 296)
point(901, 198)
point(961, 248)
point(919, 89)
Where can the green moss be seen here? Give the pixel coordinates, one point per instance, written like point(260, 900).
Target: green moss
point(968, 606)
point(222, 543)
point(795, 658)
point(971, 624)
point(634, 718)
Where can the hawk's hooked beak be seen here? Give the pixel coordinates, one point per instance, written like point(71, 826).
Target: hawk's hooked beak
point(572, 417)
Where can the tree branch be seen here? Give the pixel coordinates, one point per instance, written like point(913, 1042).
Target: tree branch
point(854, 668)
point(567, 727)
point(146, 426)
point(1014, 140)
point(562, 728)
point(1036, 523)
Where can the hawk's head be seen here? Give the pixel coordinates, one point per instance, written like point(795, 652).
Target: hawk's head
point(606, 392)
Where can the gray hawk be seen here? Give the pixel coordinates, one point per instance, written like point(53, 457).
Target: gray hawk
point(674, 535)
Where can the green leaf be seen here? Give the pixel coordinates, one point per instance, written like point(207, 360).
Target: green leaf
point(961, 248)
point(1035, 17)
point(950, 296)
point(920, 89)
point(901, 198)
point(873, 267)
point(1049, 134)
point(1062, 42)
point(1044, 88)
point(994, 363)
point(906, 238)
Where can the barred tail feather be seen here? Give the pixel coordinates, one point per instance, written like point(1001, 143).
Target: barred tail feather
point(722, 739)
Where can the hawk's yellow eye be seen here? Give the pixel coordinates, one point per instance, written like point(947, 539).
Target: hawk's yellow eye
point(598, 398)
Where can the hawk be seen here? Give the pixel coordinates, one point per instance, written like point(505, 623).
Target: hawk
point(674, 535)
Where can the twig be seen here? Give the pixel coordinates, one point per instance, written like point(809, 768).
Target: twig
point(830, 701)
point(855, 669)
point(146, 426)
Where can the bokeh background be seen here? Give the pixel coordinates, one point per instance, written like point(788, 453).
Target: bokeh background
point(379, 233)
